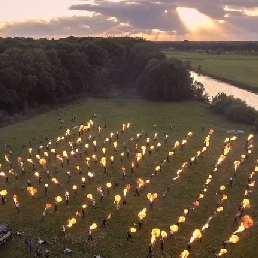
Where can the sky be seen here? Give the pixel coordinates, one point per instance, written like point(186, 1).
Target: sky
point(162, 20)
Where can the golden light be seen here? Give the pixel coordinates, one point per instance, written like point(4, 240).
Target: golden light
point(222, 251)
point(93, 226)
point(163, 234)
point(233, 239)
point(58, 199)
point(219, 209)
point(181, 219)
point(248, 221)
point(48, 205)
point(89, 196)
point(241, 228)
point(197, 234)
point(184, 254)
point(222, 188)
point(174, 228)
point(15, 198)
point(71, 222)
point(84, 206)
point(42, 162)
point(246, 203)
point(108, 185)
point(132, 230)
point(142, 213)
point(155, 232)
point(74, 187)
point(3, 193)
point(117, 198)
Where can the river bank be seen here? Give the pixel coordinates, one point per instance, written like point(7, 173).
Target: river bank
point(239, 85)
point(213, 87)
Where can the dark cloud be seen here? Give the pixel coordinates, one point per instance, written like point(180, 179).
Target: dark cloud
point(142, 17)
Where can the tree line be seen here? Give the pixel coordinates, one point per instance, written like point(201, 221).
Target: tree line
point(187, 45)
point(45, 72)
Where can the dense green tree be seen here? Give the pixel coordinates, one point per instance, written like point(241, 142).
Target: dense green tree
point(167, 80)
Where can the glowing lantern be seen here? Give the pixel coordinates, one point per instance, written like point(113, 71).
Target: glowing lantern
point(108, 185)
point(42, 162)
point(246, 203)
point(248, 221)
point(93, 226)
point(222, 251)
point(163, 234)
point(222, 188)
point(132, 230)
point(219, 209)
point(233, 239)
point(48, 205)
point(3, 193)
point(155, 232)
point(74, 187)
point(211, 131)
point(117, 198)
point(58, 199)
point(197, 234)
point(89, 196)
point(84, 206)
point(174, 228)
point(184, 254)
point(181, 219)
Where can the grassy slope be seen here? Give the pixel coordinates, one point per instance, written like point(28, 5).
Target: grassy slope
point(240, 68)
point(111, 242)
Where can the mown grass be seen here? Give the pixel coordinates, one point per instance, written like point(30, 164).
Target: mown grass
point(238, 68)
point(111, 242)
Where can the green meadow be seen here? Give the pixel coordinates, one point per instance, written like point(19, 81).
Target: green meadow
point(239, 69)
point(110, 242)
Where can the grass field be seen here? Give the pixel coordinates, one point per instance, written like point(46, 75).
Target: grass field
point(111, 242)
point(238, 68)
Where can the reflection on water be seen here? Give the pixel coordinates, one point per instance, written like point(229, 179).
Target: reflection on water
point(213, 87)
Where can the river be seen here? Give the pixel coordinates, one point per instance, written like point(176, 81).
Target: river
point(213, 87)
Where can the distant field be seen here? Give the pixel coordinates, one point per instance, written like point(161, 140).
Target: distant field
point(111, 242)
point(238, 68)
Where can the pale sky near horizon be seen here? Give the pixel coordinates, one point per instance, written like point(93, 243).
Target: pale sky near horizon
point(154, 20)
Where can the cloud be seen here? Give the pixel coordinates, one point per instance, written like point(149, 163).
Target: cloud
point(153, 19)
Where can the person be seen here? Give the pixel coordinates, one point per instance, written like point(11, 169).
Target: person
point(230, 181)
point(63, 230)
point(136, 192)
point(17, 206)
point(162, 244)
point(150, 251)
point(43, 215)
point(7, 180)
point(83, 212)
point(90, 235)
point(26, 244)
point(30, 245)
point(129, 235)
point(93, 203)
point(140, 224)
point(164, 195)
point(3, 199)
point(102, 196)
point(104, 222)
point(172, 235)
point(45, 189)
